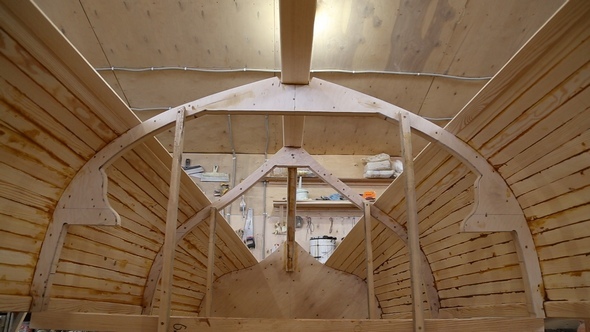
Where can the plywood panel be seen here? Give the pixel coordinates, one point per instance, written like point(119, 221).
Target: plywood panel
point(266, 290)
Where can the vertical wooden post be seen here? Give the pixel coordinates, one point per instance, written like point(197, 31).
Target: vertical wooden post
point(291, 201)
point(171, 223)
point(210, 262)
point(15, 321)
point(412, 225)
point(369, 254)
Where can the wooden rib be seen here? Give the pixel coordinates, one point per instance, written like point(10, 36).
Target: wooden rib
point(210, 262)
point(369, 260)
point(296, 32)
point(171, 223)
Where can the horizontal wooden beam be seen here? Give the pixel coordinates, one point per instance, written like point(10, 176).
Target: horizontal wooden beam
point(124, 323)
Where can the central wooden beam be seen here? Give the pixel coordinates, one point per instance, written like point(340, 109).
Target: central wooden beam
point(296, 24)
point(293, 131)
point(291, 202)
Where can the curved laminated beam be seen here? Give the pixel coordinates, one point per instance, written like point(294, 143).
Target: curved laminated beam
point(495, 208)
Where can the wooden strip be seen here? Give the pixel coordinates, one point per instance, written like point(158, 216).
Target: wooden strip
point(557, 118)
point(74, 293)
point(98, 284)
point(25, 101)
point(73, 268)
point(567, 264)
point(557, 37)
point(495, 287)
point(490, 275)
point(296, 32)
point(563, 309)
point(28, 26)
point(91, 240)
point(491, 299)
point(569, 232)
point(11, 303)
point(481, 253)
point(561, 144)
point(357, 258)
point(153, 167)
point(437, 158)
point(33, 158)
point(210, 262)
point(131, 183)
point(478, 267)
point(171, 224)
point(291, 206)
point(566, 201)
point(560, 219)
point(35, 81)
point(67, 305)
point(564, 249)
point(568, 294)
point(114, 263)
point(413, 230)
point(527, 109)
point(549, 191)
point(468, 245)
point(369, 259)
point(59, 150)
point(498, 310)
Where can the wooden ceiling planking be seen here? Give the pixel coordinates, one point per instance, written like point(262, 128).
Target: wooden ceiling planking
point(172, 88)
point(441, 37)
point(245, 28)
point(338, 23)
point(71, 20)
point(486, 35)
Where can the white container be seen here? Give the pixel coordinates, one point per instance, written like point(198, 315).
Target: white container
point(302, 195)
point(322, 247)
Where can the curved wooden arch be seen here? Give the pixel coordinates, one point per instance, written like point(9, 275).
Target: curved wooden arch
point(495, 208)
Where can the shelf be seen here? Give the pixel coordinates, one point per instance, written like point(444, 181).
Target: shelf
point(319, 205)
point(316, 180)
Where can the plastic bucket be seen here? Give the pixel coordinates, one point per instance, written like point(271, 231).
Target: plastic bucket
point(322, 247)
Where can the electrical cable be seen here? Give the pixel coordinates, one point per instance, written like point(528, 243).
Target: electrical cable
point(276, 71)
